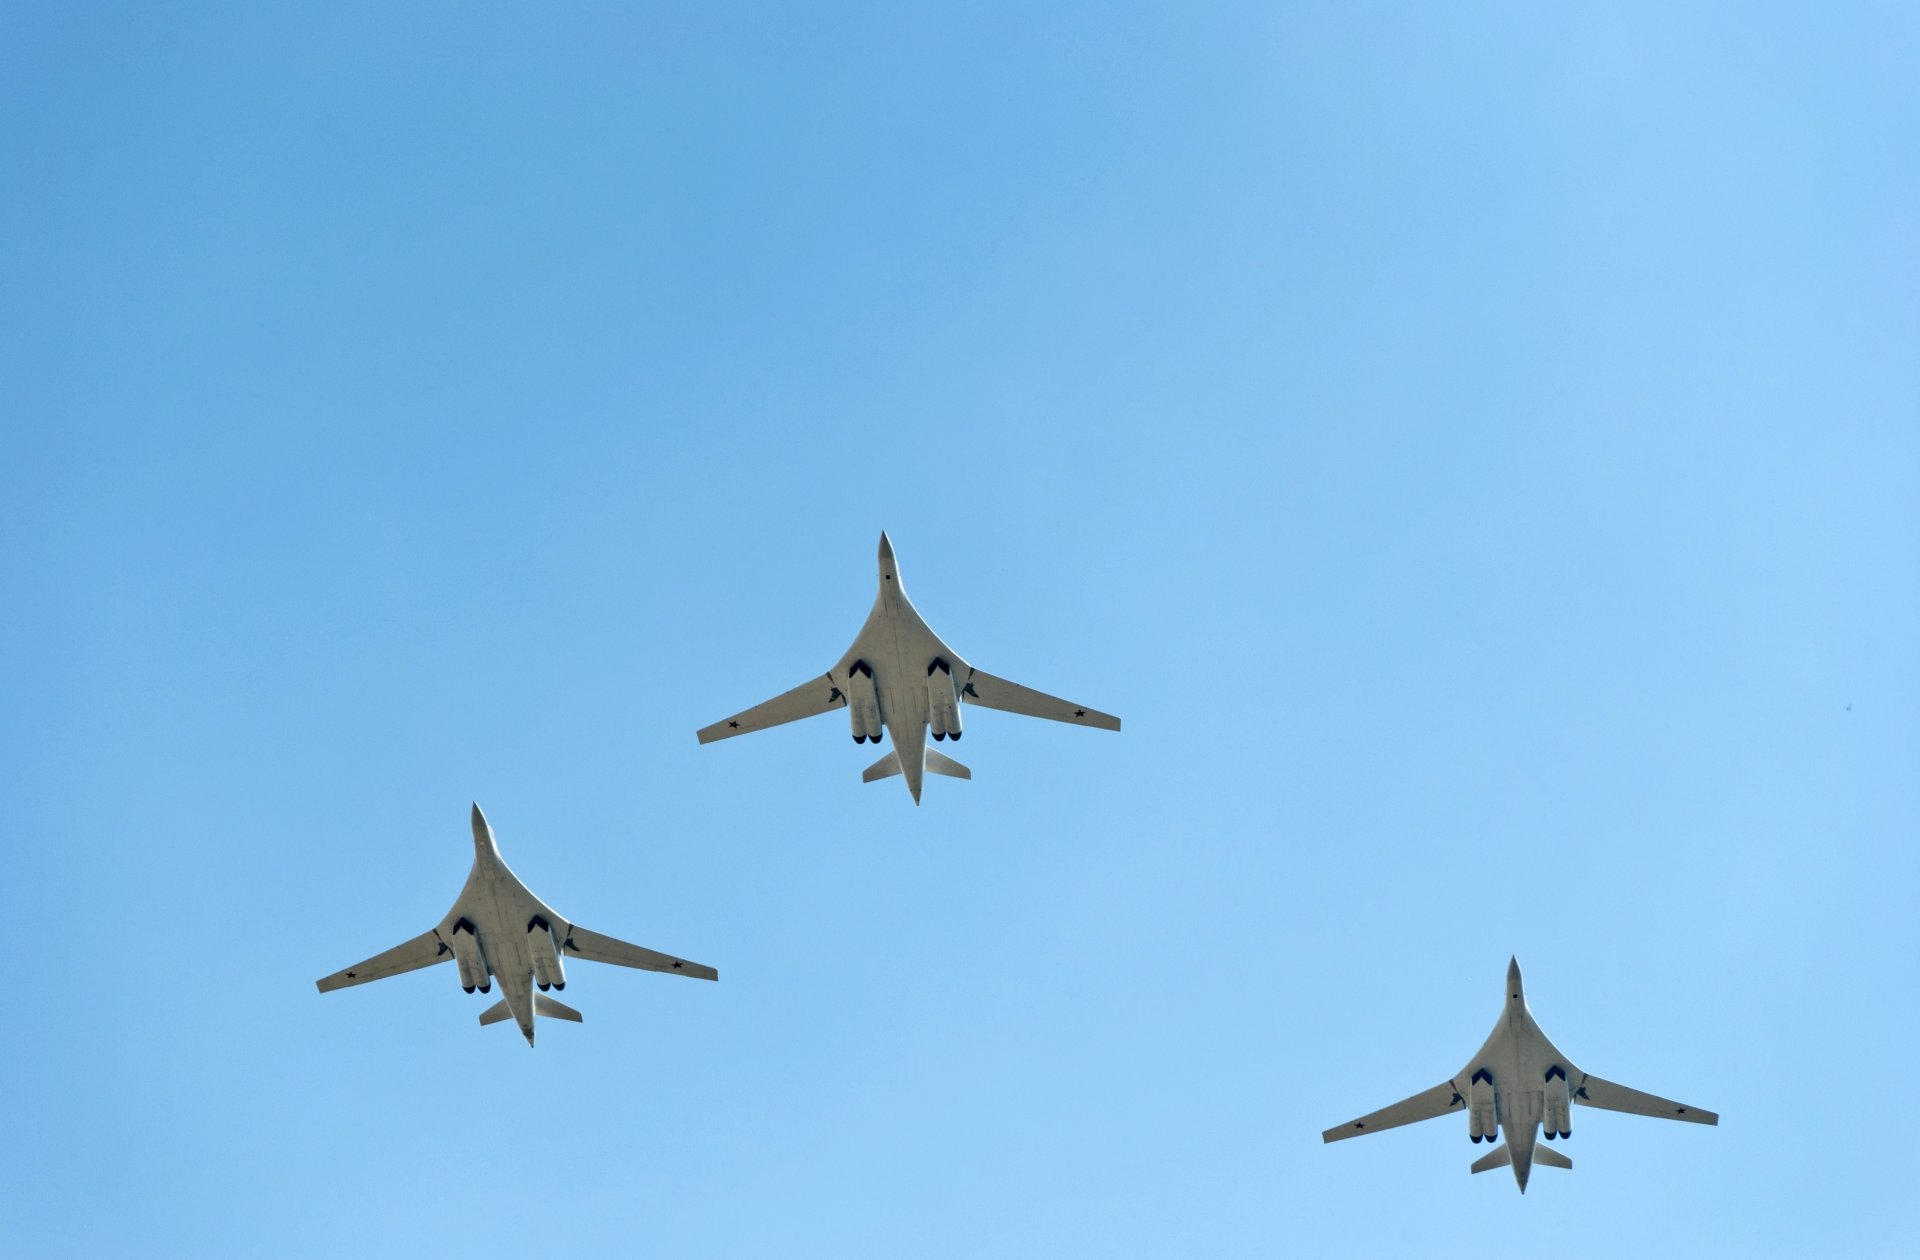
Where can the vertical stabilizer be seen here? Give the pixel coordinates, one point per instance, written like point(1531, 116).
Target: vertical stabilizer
point(910, 746)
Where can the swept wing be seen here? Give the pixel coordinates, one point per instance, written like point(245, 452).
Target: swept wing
point(1427, 1104)
point(984, 689)
point(592, 946)
point(423, 950)
point(807, 700)
point(1594, 1092)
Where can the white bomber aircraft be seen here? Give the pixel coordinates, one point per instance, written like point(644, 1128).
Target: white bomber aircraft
point(498, 928)
point(900, 677)
point(1515, 1084)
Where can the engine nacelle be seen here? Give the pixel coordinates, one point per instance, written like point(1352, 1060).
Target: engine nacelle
point(1559, 1110)
point(470, 959)
point(863, 703)
point(548, 970)
point(943, 703)
point(1482, 1122)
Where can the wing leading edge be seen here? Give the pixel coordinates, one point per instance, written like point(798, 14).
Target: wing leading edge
point(984, 689)
point(809, 699)
point(1425, 1105)
point(423, 950)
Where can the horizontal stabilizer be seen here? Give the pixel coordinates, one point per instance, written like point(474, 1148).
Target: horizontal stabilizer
point(1546, 1155)
point(947, 766)
point(544, 1005)
point(1498, 1157)
point(887, 765)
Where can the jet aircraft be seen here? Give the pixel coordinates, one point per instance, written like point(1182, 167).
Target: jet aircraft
point(899, 676)
point(1516, 1083)
point(497, 928)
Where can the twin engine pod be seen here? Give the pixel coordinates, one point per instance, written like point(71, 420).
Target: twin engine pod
point(863, 704)
point(470, 959)
point(1482, 1123)
point(548, 971)
point(1559, 1110)
point(943, 702)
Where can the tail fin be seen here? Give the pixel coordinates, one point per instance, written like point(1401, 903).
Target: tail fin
point(495, 1013)
point(1498, 1157)
point(1550, 1157)
point(947, 766)
point(889, 764)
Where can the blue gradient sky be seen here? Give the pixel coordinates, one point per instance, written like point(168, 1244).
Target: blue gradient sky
point(1475, 452)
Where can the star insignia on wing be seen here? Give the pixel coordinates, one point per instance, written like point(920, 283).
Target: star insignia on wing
point(733, 726)
point(1079, 713)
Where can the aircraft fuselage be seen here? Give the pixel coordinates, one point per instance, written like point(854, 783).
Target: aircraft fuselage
point(504, 918)
point(909, 673)
point(1521, 1066)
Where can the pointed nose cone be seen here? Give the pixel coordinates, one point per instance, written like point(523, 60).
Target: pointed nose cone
point(889, 572)
point(1514, 988)
point(482, 832)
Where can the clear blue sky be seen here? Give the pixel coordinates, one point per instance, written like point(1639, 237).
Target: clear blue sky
point(1477, 452)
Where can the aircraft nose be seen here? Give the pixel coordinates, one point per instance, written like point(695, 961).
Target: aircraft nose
point(479, 821)
point(886, 546)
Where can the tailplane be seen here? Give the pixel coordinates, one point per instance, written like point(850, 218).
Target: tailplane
point(544, 1005)
point(947, 766)
point(1550, 1158)
point(889, 765)
point(1498, 1157)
